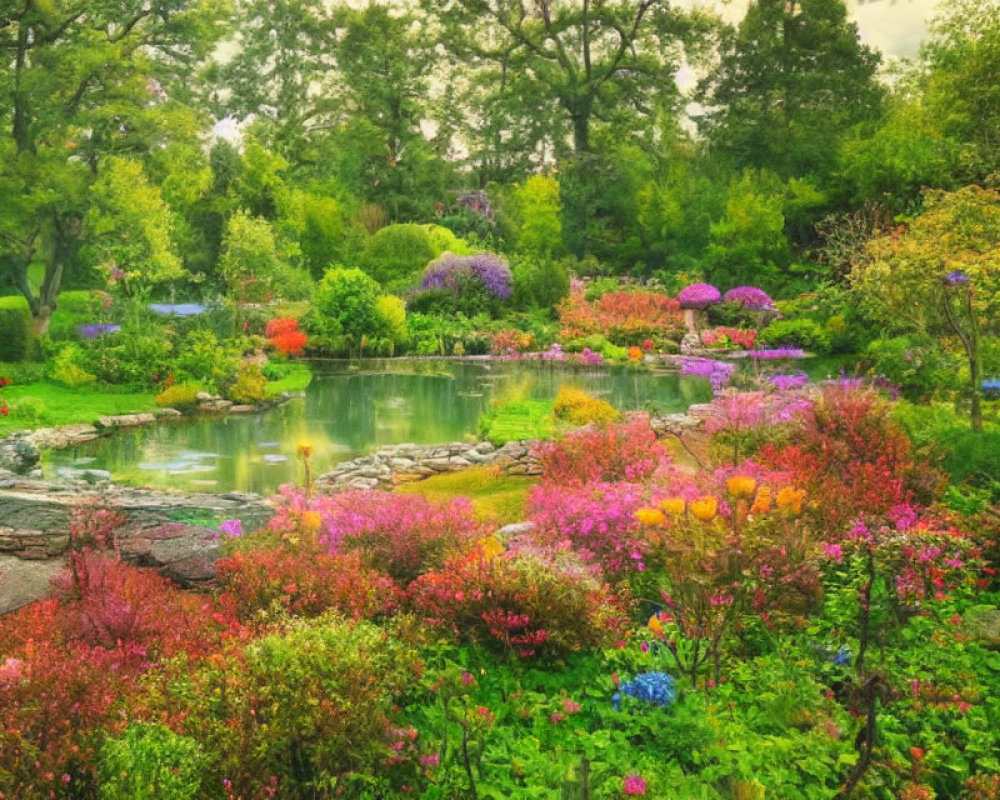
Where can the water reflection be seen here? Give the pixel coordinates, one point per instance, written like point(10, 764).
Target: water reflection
point(350, 409)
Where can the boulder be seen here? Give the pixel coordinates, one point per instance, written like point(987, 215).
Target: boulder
point(18, 454)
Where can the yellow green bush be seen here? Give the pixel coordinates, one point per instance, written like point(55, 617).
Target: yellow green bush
point(180, 396)
point(250, 387)
point(575, 406)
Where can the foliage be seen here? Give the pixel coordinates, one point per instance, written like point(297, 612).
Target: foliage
point(914, 362)
point(602, 454)
point(939, 277)
point(284, 336)
point(132, 227)
point(402, 535)
point(182, 397)
point(301, 581)
point(345, 304)
point(527, 601)
point(150, 758)
point(397, 254)
point(467, 285)
point(67, 367)
point(15, 329)
point(626, 318)
point(537, 218)
point(518, 420)
point(249, 388)
point(579, 408)
point(805, 333)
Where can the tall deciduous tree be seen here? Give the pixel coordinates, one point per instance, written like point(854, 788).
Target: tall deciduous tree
point(280, 71)
point(792, 80)
point(79, 80)
point(596, 60)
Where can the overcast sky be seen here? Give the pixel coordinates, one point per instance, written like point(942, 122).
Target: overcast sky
point(893, 26)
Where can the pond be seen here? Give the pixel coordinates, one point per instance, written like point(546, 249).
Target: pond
point(350, 409)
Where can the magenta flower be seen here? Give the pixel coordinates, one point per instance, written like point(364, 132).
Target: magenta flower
point(749, 297)
point(233, 528)
point(635, 785)
point(834, 551)
point(698, 295)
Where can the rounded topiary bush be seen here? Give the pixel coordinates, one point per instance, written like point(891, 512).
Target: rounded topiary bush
point(397, 254)
point(15, 329)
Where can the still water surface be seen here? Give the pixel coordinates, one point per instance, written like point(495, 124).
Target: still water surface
point(348, 410)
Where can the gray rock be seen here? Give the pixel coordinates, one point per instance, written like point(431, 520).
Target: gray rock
point(513, 530)
point(125, 421)
point(18, 454)
point(23, 582)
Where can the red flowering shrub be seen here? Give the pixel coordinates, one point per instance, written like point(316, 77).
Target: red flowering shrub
point(284, 335)
point(603, 454)
point(400, 534)
point(70, 662)
point(303, 582)
point(530, 600)
point(626, 318)
point(852, 458)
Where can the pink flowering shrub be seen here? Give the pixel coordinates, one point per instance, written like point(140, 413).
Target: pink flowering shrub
point(530, 600)
point(599, 521)
point(603, 454)
point(402, 535)
point(741, 422)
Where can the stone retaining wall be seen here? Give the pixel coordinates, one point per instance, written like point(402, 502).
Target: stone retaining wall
point(405, 463)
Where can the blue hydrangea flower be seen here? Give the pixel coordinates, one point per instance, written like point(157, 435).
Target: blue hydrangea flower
point(657, 688)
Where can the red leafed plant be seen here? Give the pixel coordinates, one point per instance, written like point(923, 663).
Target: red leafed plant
point(604, 454)
point(72, 661)
point(302, 581)
point(626, 318)
point(530, 600)
point(284, 335)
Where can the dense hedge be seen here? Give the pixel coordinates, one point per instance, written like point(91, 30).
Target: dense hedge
point(15, 329)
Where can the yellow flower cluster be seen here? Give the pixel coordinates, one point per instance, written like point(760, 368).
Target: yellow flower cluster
point(489, 547)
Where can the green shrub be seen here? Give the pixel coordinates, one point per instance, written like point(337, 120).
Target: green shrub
point(250, 387)
point(75, 308)
point(804, 332)
point(27, 411)
point(539, 283)
point(68, 367)
point(518, 420)
point(150, 761)
point(916, 364)
point(136, 360)
point(391, 311)
point(397, 254)
point(15, 329)
point(345, 310)
point(180, 396)
point(203, 359)
point(324, 690)
point(596, 289)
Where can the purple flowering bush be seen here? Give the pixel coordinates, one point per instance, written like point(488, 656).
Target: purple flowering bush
point(718, 372)
point(469, 285)
point(749, 297)
point(698, 295)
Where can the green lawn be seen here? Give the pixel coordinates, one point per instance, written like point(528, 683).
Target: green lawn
point(45, 404)
point(495, 498)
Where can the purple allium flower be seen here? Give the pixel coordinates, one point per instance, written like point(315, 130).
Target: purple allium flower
point(718, 372)
point(956, 277)
point(450, 270)
point(698, 295)
point(777, 353)
point(93, 331)
point(794, 380)
point(749, 297)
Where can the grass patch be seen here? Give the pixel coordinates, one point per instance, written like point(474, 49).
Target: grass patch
point(45, 404)
point(498, 499)
point(519, 419)
point(293, 378)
